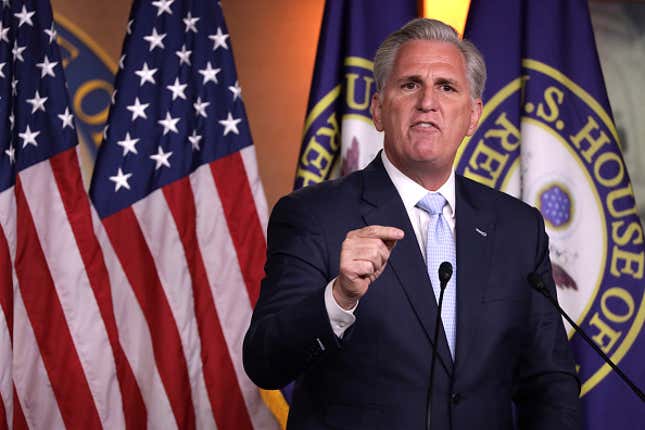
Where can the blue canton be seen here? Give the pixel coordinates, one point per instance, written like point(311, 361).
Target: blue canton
point(178, 105)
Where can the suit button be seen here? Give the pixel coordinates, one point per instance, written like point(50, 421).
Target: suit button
point(455, 398)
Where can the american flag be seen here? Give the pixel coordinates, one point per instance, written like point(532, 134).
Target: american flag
point(128, 312)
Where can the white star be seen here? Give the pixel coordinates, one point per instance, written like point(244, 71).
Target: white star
point(105, 131)
point(169, 124)
point(190, 23)
point(163, 6)
point(2, 67)
point(209, 73)
point(51, 32)
point(128, 144)
point(24, 17)
point(12, 120)
point(194, 140)
point(184, 55)
point(219, 39)
point(47, 68)
point(130, 26)
point(155, 39)
point(121, 65)
point(114, 96)
point(4, 33)
point(230, 124)
point(120, 180)
point(14, 86)
point(146, 74)
point(236, 90)
point(37, 103)
point(29, 137)
point(67, 118)
point(161, 158)
point(17, 51)
point(200, 107)
point(11, 152)
point(177, 89)
point(138, 109)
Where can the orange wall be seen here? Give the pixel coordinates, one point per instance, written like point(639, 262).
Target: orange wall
point(274, 42)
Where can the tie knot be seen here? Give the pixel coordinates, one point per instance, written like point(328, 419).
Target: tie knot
point(432, 203)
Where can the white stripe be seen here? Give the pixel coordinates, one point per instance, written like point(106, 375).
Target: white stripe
point(34, 390)
point(74, 291)
point(227, 286)
point(162, 238)
point(8, 227)
point(251, 166)
point(134, 337)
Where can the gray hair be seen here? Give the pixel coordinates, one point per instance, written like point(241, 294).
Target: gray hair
point(430, 29)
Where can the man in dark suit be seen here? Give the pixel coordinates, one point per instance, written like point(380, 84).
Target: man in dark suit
point(349, 302)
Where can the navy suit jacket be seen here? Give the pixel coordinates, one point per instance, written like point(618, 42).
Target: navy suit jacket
point(511, 346)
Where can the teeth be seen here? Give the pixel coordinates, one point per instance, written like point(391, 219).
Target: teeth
point(424, 124)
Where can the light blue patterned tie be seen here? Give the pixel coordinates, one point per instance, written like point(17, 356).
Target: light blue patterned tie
point(440, 247)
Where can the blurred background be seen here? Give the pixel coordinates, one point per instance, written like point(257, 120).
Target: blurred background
point(274, 43)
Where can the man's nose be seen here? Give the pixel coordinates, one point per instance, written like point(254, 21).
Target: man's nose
point(427, 99)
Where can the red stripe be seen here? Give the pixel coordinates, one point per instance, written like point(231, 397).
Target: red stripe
point(6, 283)
point(19, 421)
point(242, 218)
point(70, 185)
point(130, 246)
point(48, 322)
point(221, 383)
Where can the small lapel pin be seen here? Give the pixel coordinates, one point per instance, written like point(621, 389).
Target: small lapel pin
point(481, 232)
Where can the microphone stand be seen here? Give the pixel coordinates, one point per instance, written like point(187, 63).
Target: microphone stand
point(538, 284)
point(445, 273)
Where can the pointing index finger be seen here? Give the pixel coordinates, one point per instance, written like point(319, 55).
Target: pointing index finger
point(384, 233)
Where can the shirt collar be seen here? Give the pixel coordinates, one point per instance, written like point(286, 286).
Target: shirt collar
point(411, 192)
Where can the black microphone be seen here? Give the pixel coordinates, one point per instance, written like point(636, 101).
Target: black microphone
point(538, 284)
point(445, 273)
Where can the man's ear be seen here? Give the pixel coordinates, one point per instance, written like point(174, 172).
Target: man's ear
point(475, 114)
point(375, 109)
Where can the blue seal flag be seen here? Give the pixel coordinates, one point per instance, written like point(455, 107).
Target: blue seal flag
point(547, 136)
point(339, 136)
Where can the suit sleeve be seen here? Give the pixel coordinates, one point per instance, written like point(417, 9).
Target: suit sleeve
point(290, 329)
point(547, 388)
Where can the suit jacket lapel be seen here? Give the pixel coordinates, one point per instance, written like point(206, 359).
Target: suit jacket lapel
point(382, 205)
point(475, 234)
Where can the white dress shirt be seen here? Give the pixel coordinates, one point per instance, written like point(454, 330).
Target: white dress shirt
point(410, 192)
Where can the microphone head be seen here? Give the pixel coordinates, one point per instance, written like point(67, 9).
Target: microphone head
point(445, 272)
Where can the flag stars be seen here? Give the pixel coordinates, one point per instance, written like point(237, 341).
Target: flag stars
point(121, 61)
point(14, 86)
point(161, 158)
point(209, 73)
point(200, 107)
point(4, 33)
point(194, 140)
point(67, 118)
point(155, 39)
point(1, 72)
point(219, 39)
point(138, 109)
point(51, 32)
point(47, 68)
point(146, 75)
point(129, 30)
point(236, 90)
point(169, 124)
point(184, 55)
point(163, 6)
point(11, 153)
point(29, 137)
point(230, 124)
point(190, 23)
point(24, 17)
point(128, 144)
point(120, 180)
point(37, 103)
point(17, 51)
point(178, 89)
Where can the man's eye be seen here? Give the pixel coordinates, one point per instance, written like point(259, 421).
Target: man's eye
point(446, 87)
point(409, 85)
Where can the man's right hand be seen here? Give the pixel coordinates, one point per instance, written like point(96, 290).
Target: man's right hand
point(363, 257)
